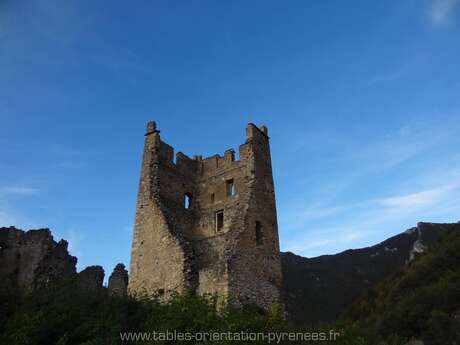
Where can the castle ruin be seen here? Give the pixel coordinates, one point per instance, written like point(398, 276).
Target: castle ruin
point(207, 225)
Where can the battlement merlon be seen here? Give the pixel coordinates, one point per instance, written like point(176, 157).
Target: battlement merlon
point(152, 137)
point(151, 128)
point(252, 131)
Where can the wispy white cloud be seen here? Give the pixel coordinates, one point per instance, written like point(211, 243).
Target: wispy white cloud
point(9, 214)
point(128, 229)
point(75, 237)
point(370, 219)
point(313, 243)
point(330, 222)
point(17, 190)
point(399, 146)
point(387, 77)
point(440, 12)
point(320, 212)
point(386, 152)
point(419, 199)
point(6, 219)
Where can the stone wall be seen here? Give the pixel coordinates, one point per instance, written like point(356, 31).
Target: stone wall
point(91, 278)
point(192, 249)
point(160, 255)
point(32, 259)
point(118, 281)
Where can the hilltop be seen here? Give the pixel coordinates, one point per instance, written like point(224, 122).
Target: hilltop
point(320, 288)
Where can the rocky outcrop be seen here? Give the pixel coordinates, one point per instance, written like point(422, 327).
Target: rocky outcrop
point(118, 281)
point(32, 259)
point(91, 278)
point(320, 288)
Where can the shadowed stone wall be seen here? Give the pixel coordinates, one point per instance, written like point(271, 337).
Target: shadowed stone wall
point(91, 278)
point(32, 259)
point(118, 281)
point(225, 241)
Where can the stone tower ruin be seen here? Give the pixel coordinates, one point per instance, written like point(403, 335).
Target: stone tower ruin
point(207, 225)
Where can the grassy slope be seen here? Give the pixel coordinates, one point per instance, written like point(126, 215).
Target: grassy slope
point(421, 300)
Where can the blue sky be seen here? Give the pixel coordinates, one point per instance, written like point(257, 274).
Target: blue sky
point(361, 100)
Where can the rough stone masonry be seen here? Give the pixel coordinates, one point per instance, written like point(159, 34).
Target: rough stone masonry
point(207, 225)
point(33, 259)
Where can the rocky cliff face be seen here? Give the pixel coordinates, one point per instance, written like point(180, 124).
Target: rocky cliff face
point(32, 259)
point(320, 288)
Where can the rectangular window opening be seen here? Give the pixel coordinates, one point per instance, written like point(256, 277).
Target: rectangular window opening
point(213, 197)
point(230, 184)
point(219, 220)
point(259, 235)
point(188, 201)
